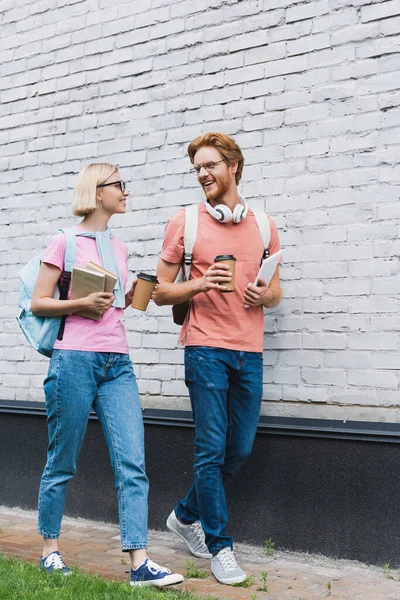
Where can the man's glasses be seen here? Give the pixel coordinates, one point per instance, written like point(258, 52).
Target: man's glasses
point(209, 166)
point(120, 184)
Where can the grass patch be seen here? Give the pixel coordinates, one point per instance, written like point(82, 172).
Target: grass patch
point(269, 547)
point(192, 572)
point(245, 583)
point(263, 587)
point(22, 581)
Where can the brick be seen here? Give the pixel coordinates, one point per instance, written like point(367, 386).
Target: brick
point(379, 11)
point(324, 376)
point(306, 11)
point(375, 379)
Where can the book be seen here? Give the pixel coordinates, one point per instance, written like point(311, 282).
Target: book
point(83, 283)
point(111, 278)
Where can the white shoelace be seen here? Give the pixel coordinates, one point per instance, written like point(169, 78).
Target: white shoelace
point(227, 559)
point(155, 568)
point(56, 561)
point(198, 532)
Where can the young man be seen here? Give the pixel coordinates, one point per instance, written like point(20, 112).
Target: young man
point(223, 338)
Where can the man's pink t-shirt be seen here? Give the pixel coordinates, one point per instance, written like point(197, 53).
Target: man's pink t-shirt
point(219, 319)
point(108, 334)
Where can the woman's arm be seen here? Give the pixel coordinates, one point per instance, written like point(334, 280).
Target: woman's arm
point(44, 305)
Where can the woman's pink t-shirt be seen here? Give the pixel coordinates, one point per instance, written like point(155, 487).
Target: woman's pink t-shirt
point(219, 319)
point(108, 334)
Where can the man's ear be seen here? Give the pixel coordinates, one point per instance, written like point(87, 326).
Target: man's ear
point(234, 167)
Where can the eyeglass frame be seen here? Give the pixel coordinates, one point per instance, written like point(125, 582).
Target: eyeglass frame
point(196, 171)
point(121, 184)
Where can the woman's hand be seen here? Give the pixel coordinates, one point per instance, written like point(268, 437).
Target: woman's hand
point(129, 294)
point(99, 302)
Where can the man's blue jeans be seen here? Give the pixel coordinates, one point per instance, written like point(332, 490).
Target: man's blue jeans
point(225, 388)
point(76, 382)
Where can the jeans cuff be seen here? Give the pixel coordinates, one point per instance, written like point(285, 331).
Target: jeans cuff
point(214, 551)
point(138, 546)
point(48, 536)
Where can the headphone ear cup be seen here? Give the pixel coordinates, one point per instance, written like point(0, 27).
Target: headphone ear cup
point(238, 213)
point(224, 213)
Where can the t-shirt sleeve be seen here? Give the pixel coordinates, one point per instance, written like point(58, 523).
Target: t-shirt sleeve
point(55, 251)
point(274, 243)
point(173, 245)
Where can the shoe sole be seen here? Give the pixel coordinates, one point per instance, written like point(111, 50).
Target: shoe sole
point(230, 581)
point(170, 525)
point(168, 580)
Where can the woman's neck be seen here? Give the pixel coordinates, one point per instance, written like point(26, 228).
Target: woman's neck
point(95, 221)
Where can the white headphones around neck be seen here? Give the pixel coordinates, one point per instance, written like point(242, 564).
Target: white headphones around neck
point(224, 214)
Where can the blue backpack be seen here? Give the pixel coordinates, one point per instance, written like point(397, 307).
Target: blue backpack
point(42, 332)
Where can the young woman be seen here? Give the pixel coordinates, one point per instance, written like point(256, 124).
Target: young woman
point(90, 368)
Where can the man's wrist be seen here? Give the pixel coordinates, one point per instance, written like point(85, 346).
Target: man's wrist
point(268, 299)
point(196, 286)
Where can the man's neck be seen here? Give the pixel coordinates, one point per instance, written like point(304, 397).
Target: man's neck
point(230, 199)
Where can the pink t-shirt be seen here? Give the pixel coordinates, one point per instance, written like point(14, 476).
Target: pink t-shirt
point(220, 319)
point(108, 334)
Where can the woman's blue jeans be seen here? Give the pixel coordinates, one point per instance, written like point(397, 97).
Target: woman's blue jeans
point(77, 382)
point(225, 388)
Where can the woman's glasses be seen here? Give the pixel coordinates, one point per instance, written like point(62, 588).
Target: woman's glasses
point(120, 184)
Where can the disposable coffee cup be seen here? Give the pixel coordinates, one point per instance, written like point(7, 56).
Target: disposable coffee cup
point(230, 260)
point(143, 289)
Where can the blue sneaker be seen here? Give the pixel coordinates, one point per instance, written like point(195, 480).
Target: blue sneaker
point(149, 573)
point(54, 562)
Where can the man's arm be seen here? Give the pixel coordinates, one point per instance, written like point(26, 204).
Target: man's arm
point(168, 292)
point(263, 295)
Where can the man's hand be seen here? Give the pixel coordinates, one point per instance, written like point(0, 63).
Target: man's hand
point(129, 294)
point(257, 295)
point(214, 278)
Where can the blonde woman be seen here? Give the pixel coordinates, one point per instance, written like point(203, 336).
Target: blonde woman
point(90, 368)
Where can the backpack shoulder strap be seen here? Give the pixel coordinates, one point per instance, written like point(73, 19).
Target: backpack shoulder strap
point(264, 228)
point(69, 261)
point(70, 248)
point(189, 237)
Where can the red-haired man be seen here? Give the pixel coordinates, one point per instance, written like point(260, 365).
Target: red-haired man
point(223, 338)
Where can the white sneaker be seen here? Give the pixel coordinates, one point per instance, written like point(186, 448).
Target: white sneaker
point(225, 568)
point(192, 534)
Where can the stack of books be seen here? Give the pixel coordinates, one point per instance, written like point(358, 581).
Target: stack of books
point(93, 278)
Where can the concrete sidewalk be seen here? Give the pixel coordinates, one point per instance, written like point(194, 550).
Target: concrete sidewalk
point(94, 547)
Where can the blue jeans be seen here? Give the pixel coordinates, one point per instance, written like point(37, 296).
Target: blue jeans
point(76, 382)
point(225, 388)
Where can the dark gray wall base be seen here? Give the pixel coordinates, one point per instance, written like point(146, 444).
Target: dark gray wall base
point(310, 485)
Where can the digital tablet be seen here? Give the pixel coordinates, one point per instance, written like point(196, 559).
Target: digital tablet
point(268, 267)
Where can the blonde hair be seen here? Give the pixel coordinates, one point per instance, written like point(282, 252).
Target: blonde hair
point(89, 178)
point(226, 146)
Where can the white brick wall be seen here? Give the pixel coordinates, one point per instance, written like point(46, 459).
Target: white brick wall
point(310, 90)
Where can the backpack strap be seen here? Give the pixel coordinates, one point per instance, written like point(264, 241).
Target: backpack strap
point(264, 228)
point(70, 248)
point(189, 237)
point(69, 261)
